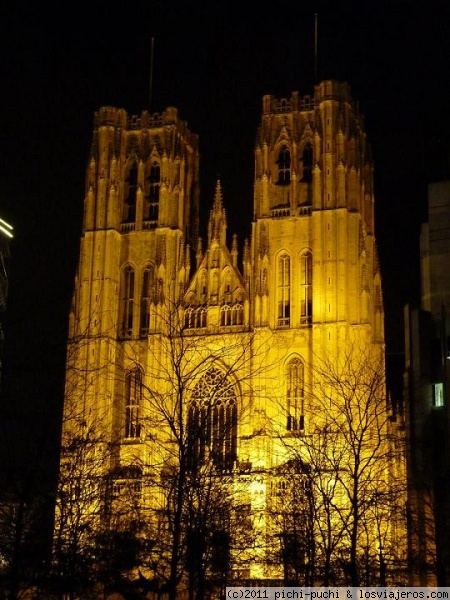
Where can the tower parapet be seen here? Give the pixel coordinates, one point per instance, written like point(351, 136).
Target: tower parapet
point(143, 173)
point(312, 151)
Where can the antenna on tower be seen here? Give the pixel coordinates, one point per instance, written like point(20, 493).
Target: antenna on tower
point(315, 47)
point(151, 76)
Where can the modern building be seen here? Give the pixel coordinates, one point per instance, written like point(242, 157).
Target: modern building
point(231, 395)
point(427, 372)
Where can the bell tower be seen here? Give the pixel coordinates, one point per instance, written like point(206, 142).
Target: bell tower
point(140, 219)
point(315, 258)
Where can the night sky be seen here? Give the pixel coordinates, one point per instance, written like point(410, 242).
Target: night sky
point(60, 64)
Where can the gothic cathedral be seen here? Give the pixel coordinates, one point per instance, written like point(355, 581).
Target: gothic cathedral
point(231, 396)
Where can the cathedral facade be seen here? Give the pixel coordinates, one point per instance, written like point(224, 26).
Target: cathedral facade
point(231, 397)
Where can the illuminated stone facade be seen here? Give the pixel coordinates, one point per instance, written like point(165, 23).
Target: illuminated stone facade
point(250, 344)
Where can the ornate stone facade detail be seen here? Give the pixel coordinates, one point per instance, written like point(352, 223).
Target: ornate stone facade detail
point(306, 292)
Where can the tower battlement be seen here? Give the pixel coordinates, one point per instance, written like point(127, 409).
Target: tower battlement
point(118, 117)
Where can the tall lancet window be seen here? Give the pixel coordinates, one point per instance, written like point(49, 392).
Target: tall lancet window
point(127, 302)
point(306, 288)
point(284, 166)
point(195, 318)
point(148, 289)
point(295, 395)
point(213, 421)
point(131, 184)
point(231, 314)
point(284, 290)
point(307, 163)
point(133, 403)
point(152, 186)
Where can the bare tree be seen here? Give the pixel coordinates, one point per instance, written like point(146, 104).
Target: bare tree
point(422, 532)
point(194, 390)
point(355, 457)
point(80, 504)
point(25, 508)
point(22, 543)
point(291, 520)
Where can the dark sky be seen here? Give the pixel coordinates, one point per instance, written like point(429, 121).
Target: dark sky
point(60, 64)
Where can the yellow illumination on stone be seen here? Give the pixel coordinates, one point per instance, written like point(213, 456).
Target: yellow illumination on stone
point(162, 323)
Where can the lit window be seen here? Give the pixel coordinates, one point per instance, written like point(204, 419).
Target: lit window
point(438, 394)
point(213, 421)
point(295, 395)
point(133, 401)
point(284, 290)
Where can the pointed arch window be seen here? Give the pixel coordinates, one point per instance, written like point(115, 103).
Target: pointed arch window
point(200, 314)
point(212, 421)
point(189, 318)
point(238, 313)
point(127, 302)
point(225, 315)
point(195, 317)
point(152, 184)
point(306, 288)
point(131, 184)
point(284, 290)
point(284, 166)
point(147, 291)
point(231, 314)
point(133, 402)
point(307, 163)
point(295, 395)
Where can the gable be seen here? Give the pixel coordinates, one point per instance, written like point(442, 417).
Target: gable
point(217, 280)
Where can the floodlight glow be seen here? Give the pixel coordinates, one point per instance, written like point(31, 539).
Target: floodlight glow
point(6, 228)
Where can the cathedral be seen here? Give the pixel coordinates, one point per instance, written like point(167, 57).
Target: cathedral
point(225, 399)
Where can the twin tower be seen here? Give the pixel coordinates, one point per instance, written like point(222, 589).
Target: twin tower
point(214, 345)
point(310, 265)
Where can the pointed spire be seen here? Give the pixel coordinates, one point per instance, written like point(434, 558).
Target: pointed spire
point(199, 253)
point(218, 197)
point(247, 265)
point(234, 250)
point(187, 258)
point(246, 251)
point(217, 226)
